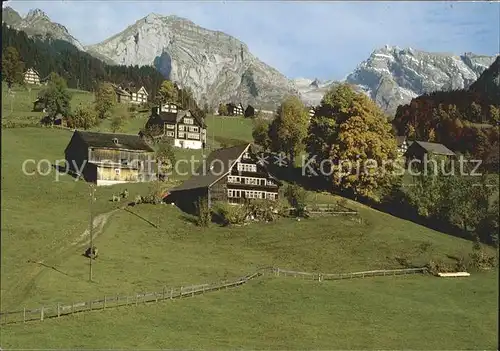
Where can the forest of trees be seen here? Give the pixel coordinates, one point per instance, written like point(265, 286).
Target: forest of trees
point(464, 120)
point(78, 68)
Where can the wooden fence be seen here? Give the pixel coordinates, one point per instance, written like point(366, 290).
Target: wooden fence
point(338, 276)
point(58, 310)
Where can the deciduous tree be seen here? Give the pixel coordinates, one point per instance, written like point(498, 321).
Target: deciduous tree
point(289, 128)
point(12, 67)
point(352, 143)
point(84, 117)
point(168, 92)
point(260, 133)
point(56, 96)
point(105, 99)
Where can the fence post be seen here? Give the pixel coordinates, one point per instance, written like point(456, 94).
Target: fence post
point(41, 314)
point(58, 310)
point(192, 292)
point(156, 295)
point(126, 303)
point(104, 307)
point(180, 294)
point(72, 307)
point(90, 305)
point(171, 293)
point(24, 314)
point(136, 299)
point(278, 272)
point(163, 293)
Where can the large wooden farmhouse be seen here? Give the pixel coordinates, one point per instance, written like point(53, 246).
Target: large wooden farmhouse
point(187, 130)
point(138, 96)
point(110, 158)
point(32, 77)
point(231, 174)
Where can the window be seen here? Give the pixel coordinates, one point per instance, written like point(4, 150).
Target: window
point(181, 127)
point(117, 171)
point(188, 121)
point(170, 134)
point(194, 136)
point(193, 129)
point(170, 126)
point(124, 161)
point(180, 134)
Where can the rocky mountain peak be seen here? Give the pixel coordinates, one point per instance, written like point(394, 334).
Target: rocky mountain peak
point(393, 76)
point(38, 23)
point(216, 66)
point(34, 14)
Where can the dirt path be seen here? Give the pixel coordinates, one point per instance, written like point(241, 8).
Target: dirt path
point(98, 225)
point(23, 288)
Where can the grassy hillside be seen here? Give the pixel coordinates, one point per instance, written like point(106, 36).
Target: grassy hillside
point(377, 313)
point(43, 218)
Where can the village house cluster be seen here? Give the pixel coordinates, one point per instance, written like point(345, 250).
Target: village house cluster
point(113, 158)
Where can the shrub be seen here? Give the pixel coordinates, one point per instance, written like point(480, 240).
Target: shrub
point(231, 214)
point(203, 213)
point(265, 210)
point(434, 267)
point(297, 197)
point(480, 259)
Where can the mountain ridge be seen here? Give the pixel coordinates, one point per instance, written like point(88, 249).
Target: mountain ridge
point(218, 67)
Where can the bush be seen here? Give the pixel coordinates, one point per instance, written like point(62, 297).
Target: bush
point(231, 214)
point(265, 210)
point(439, 267)
point(297, 197)
point(480, 259)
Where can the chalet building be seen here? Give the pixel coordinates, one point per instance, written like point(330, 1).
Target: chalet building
point(250, 111)
point(402, 144)
point(235, 109)
point(138, 96)
point(187, 130)
point(122, 96)
point(420, 149)
point(312, 112)
point(110, 158)
point(32, 77)
point(231, 175)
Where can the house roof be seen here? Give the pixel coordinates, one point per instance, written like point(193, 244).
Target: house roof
point(133, 89)
point(222, 160)
point(174, 117)
point(121, 91)
point(105, 140)
point(435, 148)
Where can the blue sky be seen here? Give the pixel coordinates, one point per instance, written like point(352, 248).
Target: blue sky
point(324, 40)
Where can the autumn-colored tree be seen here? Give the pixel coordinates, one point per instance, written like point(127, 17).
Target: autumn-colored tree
point(167, 92)
point(289, 128)
point(260, 133)
point(355, 141)
point(105, 99)
point(432, 135)
point(56, 96)
point(12, 67)
point(222, 109)
point(84, 117)
point(165, 156)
